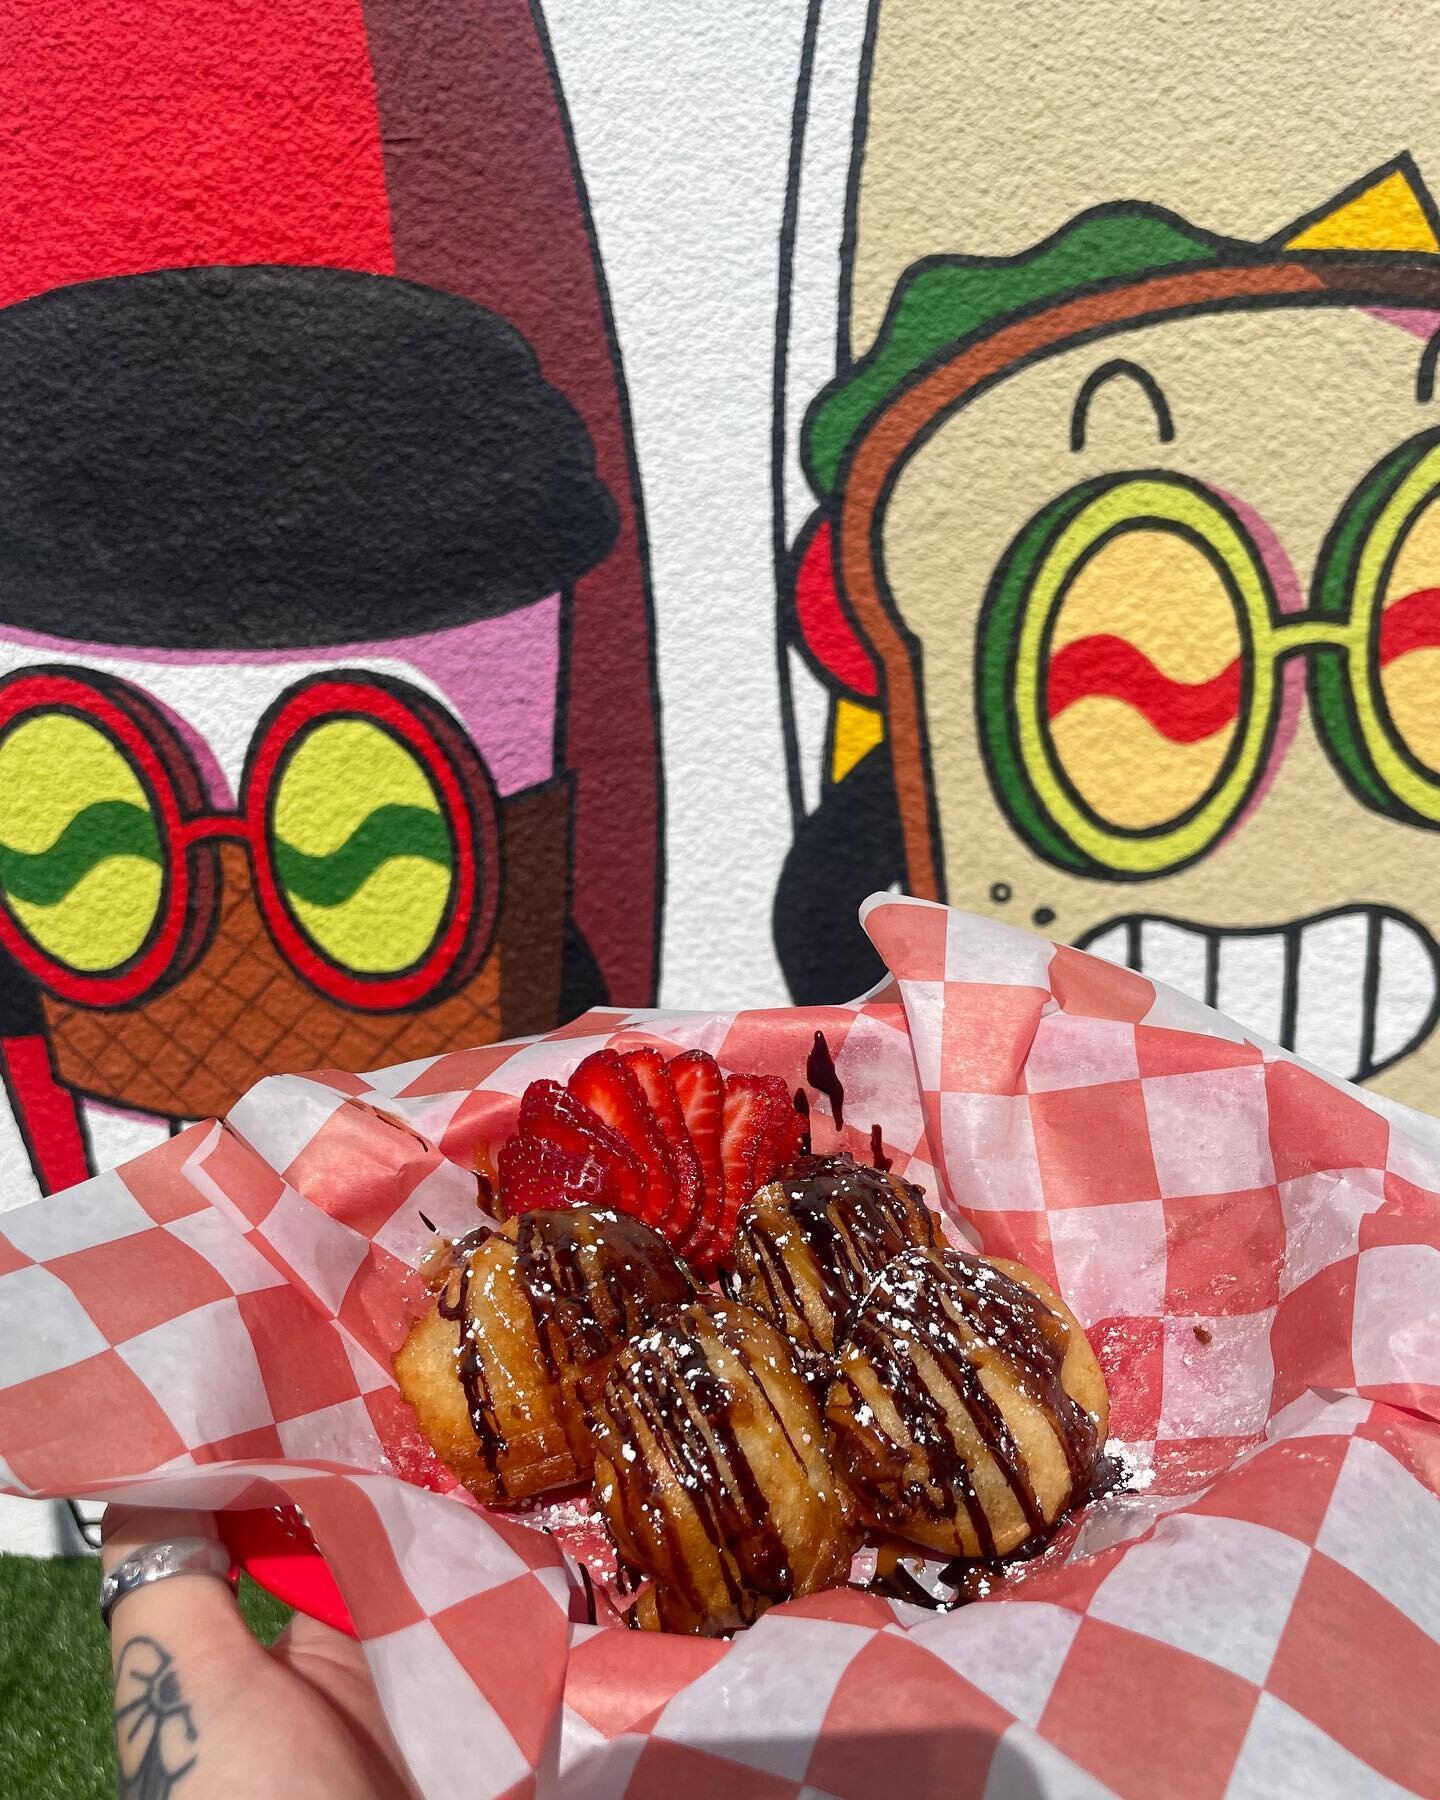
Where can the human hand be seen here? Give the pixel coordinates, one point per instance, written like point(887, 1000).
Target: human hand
point(204, 1712)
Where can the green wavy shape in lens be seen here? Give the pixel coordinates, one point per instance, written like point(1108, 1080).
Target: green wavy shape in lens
point(389, 831)
point(103, 829)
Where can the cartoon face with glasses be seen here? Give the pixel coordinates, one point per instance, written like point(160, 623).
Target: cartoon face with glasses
point(286, 563)
point(1183, 707)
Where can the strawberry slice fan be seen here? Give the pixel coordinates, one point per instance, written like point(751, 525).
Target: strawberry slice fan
point(678, 1144)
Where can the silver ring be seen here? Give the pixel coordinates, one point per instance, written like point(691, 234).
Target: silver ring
point(155, 1562)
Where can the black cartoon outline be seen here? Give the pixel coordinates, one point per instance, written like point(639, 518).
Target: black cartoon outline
point(1213, 936)
point(637, 512)
point(1107, 372)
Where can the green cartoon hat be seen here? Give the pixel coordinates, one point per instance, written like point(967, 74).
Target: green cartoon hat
point(944, 299)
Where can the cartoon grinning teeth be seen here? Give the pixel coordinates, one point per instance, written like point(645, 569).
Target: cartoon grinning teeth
point(1353, 990)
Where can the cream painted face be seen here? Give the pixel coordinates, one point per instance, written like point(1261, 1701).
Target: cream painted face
point(1282, 414)
point(990, 124)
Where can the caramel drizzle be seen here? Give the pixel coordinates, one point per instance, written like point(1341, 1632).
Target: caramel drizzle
point(1022, 1332)
point(484, 1420)
point(851, 1221)
point(688, 1411)
point(565, 1311)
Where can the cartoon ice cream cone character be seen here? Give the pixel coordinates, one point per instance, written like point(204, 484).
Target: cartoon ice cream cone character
point(1126, 580)
point(326, 735)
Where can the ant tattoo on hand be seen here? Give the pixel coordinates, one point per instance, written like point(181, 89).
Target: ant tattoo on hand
point(153, 1727)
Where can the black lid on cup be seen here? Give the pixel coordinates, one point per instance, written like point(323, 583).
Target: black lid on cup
point(274, 456)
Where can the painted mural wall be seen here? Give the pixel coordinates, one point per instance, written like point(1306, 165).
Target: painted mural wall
point(506, 508)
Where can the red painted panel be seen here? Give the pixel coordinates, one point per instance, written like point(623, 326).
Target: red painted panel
point(145, 134)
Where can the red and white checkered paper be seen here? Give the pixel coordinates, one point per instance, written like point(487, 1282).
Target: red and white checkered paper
point(1254, 1247)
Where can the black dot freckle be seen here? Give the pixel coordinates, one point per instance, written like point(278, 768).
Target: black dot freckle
point(1000, 892)
point(1044, 915)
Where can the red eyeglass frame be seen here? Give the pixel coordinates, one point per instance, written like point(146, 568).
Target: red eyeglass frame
point(191, 832)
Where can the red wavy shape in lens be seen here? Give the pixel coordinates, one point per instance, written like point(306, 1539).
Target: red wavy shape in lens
point(1410, 623)
point(1183, 711)
point(1187, 711)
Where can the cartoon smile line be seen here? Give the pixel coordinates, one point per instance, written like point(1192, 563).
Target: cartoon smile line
point(1353, 990)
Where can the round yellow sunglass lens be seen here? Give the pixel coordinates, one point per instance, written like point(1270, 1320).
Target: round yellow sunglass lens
point(1409, 648)
point(1377, 695)
point(1142, 680)
point(1135, 738)
point(82, 867)
point(362, 849)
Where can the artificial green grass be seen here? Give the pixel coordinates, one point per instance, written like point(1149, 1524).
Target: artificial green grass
point(55, 1741)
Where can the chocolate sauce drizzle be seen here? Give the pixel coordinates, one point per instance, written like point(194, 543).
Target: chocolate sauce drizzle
point(802, 1106)
point(915, 1304)
point(469, 1365)
point(589, 1595)
point(959, 1582)
point(687, 1411)
point(964, 1579)
point(821, 1074)
point(877, 1149)
point(589, 1282)
point(847, 1221)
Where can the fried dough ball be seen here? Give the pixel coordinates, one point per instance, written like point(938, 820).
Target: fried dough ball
point(504, 1368)
point(968, 1410)
point(808, 1246)
point(711, 1471)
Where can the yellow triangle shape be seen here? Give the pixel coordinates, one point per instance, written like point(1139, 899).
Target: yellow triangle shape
point(856, 730)
point(1390, 214)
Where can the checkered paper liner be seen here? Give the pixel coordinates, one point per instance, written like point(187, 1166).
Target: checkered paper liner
point(1253, 1246)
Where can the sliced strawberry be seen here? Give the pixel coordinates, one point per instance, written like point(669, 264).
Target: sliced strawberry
point(607, 1085)
point(760, 1132)
point(786, 1140)
point(534, 1173)
point(701, 1088)
point(748, 1126)
point(674, 1143)
point(552, 1111)
point(554, 1116)
point(747, 1120)
point(648, 1067)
